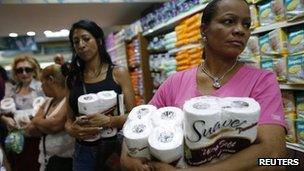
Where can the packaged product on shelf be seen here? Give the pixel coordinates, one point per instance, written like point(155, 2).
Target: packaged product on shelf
point(278, 41)
point(291, 127)
point(278, 10)
point(253, 45)
point(294, 9)
point(267, 63)
point(266, 15)
point(288, 101)
point(254, 17)
point(295, 69)
point(296, 41)
point(265, 44)
point(300, 104)
point(300, 130)
point(279, 67)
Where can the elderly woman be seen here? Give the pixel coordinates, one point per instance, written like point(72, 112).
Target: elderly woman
point(56, 146)
point(25, 71)
point(225, 31)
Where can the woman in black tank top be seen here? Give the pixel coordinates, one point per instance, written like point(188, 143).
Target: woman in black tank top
point(92, 71)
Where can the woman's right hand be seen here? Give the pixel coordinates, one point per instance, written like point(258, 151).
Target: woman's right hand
point(82, 132)
point(9, 122)
point(134, 164)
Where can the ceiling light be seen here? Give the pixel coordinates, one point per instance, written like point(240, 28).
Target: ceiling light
point(31, 33)
point(13, 35)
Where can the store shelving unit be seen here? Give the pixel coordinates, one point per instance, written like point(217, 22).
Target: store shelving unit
point(173, 21)
point(292, 86)
point(276, 25)
point(295, 146)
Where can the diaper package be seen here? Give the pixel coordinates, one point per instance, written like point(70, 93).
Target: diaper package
point(280, 69)
point(267, 63)
point(296, 41)
point(266, 15)
point(289, 101)
point(294, 9)
point(278, 41)
point(254, 17)
point(295, 70)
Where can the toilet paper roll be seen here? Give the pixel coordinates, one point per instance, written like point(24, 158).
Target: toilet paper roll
point(201, 114)
point(107, 99)
point(22, 117)
point(166, 143)
point(38, 102)
point(89, 104)
point(168, 115)
point(243, 113)
point(8, 105)
point(136, 133)
point(142, 112)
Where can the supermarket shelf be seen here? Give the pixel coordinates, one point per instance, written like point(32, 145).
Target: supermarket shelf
point(292, 86)
point(275, 25)
point(189, 46)
point(173, 21)
point(115, 47)
point(295, 146)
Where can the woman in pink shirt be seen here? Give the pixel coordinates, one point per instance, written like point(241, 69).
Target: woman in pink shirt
point(225, 31)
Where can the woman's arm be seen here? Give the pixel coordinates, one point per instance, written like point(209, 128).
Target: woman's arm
point(270, 143)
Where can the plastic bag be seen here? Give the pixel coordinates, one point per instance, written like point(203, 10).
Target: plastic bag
point(14, 141)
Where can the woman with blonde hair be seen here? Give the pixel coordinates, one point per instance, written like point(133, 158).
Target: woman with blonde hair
point(25, 71)
point(56, 146)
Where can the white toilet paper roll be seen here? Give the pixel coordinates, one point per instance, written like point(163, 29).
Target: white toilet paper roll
point(166, 143)
point(107, 99)
point(89, 104)
point(136, 133)
point(38, 102)
point(244, 112)
point(142, 112)
point(22, 117)
point(168, 115)
point(8, 105)
point(201, 114)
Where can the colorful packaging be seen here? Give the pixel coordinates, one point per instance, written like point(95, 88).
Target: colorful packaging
point(279, 67)
point(295, 69)
point(300, 104)
point(291, 128)
point(294, 9)
point(266, 15)
point(278, 10)
point(296, 41)
point(267, 63)
point(253, 45)
point(254, 17)
point(265, 44)
point(300, 130)
point(278, 41)
point(289, 103)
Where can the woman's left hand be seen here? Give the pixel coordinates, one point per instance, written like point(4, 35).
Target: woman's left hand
point(95, 120)
point(158, 166)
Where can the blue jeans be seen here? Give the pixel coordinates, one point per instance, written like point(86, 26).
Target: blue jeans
point(102, 157)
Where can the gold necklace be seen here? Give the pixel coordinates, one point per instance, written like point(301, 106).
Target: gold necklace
point(217, 80)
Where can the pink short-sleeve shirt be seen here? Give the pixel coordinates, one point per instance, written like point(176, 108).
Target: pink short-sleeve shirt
point(247, 82)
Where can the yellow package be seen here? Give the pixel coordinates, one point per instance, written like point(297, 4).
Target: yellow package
point(294, 8)
point(193, 33)
point(291, 127)
point(278, 10)
point(265, 44)
point(296, 41)
point(289, 103)
point(266, 16)
point(254, 17)
point(278, 41)
point(295, 69)
point(280, 68)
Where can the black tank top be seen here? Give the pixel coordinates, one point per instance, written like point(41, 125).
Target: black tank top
point(105, 85)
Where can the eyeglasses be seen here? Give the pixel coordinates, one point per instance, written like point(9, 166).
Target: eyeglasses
point(21, 70)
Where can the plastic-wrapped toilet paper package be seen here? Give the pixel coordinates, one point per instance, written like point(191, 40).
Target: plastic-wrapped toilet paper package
point(38, 102)
point(166, 143)
point(142, 112)
point(89, 104)
point(215, 126)
point(8, 105)
point(107, 99)
point(136, 133)
point(22, 117)
point(168, 115)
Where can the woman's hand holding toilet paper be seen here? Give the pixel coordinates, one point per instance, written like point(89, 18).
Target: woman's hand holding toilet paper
point(83, 132)
point(135, 164)
point(9, 122)
point(95, 120)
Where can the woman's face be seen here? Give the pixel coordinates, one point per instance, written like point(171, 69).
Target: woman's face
point(228, 31)
point(24, 72)
point(85, 44)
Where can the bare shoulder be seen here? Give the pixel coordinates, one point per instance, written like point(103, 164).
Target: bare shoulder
point(120, 73)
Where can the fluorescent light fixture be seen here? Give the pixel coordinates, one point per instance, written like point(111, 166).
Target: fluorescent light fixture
point(61, 33)
point(31, 33)
point(13, 35)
